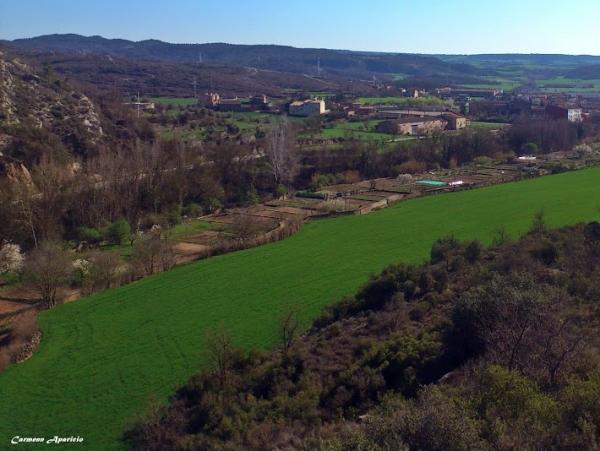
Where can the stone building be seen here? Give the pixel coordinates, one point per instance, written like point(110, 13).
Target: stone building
point(413, 126)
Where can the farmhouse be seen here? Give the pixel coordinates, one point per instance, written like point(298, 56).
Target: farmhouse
point(307, 108)
point(255, 103)
point(559, 112)
point(210, 100)
point(234, 104)
point(408, 112)
point(413, 126)
point(455, 121)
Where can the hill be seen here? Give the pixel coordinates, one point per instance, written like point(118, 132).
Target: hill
point(41, 113)
point(587, 72)
point(530, 59)
point(167, 78)
point(267, 57)
point(113, 351)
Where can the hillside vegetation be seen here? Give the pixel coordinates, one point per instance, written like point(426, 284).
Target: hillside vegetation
point(116, 350)
point(474, 350)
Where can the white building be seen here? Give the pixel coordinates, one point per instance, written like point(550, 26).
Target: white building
point(575, 115)
point(307, 108)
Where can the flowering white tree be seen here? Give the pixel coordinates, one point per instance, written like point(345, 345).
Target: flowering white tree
point(11, 258)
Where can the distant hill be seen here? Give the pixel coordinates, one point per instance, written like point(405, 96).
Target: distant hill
point(165, 78)
point(523, 58)
point(267, 57)
point(589, 72)
point(531, 61)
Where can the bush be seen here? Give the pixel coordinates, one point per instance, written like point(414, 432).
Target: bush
point(174, 217)
point(310, 195)
point(473, 251)
point(192, 210)
point(89, 235)
point(118, 232)
point(442, 249)
point(546, 252)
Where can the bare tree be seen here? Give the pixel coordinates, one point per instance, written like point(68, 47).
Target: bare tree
point(538, 225)
point(47, 269)
point(52, 182)
point(288, 328)
point(153, 254)
point(281, 152)
point(104, 271)
point(245, 227)
point(221, 352)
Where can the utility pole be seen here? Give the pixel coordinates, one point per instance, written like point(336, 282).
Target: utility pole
point(195, 88)
point(138, 105)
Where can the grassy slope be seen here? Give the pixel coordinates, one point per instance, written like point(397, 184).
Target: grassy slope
point(102, 357)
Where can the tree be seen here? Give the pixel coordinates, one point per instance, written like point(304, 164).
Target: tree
point(245, 227)
point(46, 269)
point(119, 231)
point(501, 236)
point(281, 153)
point(288, 329)
point(442, 249)
point(538, 225)
point(220, 352)
point(530, 149)
point(104, 270)
point(153, 253)
point(11, 258)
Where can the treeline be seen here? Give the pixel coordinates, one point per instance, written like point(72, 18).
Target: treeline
point(477, 349)
point(441, 151)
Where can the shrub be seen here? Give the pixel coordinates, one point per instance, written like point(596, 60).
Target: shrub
point(192, 210)
point(118, 232)
point(442, 249)
point(89, 235)
point(546, 252)
point(174, 217)
point(473, 251)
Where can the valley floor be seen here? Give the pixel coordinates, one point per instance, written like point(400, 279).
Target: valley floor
point(102, 358)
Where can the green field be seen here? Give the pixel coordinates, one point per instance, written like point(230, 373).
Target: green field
point(488, 125)
point(562, 84)
point(363, 131)
point(404, 101)
point(507, 84)
point(174, 101)
point(103, 357)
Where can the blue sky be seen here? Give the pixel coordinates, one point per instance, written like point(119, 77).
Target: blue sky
point(424, 26)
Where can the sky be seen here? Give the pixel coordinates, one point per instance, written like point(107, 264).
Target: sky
point(425, 26)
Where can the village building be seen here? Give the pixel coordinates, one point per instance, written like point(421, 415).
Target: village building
point(455, 121)
point(307, 108)
point(413, 126)
point(234, 104)
point(559, 112)
point(210, 100)
point(255, 103)
point(394, 113)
